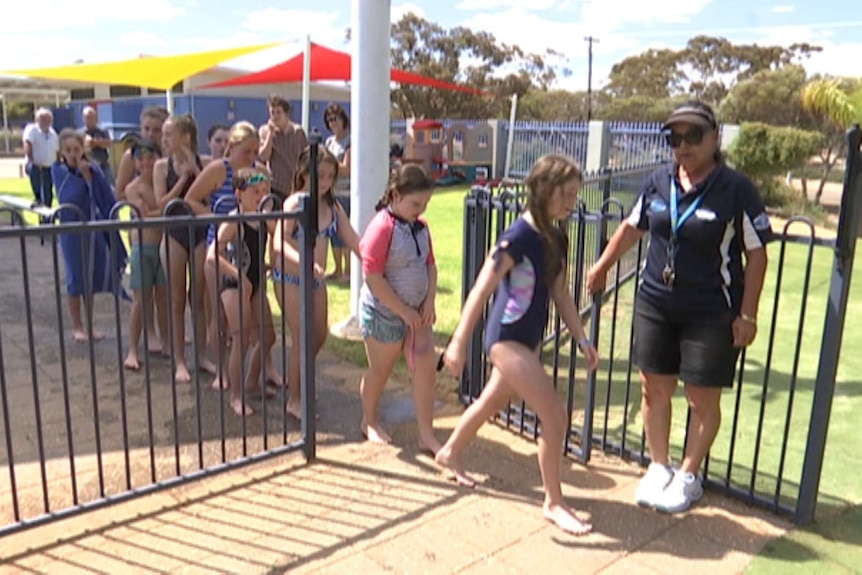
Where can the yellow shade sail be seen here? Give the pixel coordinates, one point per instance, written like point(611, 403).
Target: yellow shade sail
point(158, 72)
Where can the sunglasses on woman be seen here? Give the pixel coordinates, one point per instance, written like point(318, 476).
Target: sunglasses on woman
point(693, 137)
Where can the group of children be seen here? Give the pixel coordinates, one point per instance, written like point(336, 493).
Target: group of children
point(230, 263)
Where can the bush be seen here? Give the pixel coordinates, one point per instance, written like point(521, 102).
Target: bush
point(785, 201)
point(764, 152)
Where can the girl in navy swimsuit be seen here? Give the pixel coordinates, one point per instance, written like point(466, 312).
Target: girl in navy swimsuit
point(526, 269)
point(173, 177)
point(240, 249)
point(284, 257)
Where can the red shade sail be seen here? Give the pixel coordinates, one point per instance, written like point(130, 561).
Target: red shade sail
point(328, 64)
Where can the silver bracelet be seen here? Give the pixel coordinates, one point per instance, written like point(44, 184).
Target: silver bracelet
point(583, 344)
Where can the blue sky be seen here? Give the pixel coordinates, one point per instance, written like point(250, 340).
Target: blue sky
point(59, 32)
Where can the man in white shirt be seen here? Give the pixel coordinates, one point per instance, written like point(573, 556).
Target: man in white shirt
point(41, 146)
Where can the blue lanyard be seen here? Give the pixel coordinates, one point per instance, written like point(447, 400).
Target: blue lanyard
point(677, 220)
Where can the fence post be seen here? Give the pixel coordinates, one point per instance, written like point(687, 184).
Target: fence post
point(598, 145)
point(476, 215)
point(830, 347)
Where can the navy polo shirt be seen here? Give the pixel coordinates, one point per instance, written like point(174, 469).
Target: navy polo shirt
point(730, 219)
point(98, 155)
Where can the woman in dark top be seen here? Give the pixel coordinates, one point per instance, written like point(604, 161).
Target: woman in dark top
point(172, 178)
point(698, 298)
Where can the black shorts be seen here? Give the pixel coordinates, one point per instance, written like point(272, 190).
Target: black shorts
point(697, 347)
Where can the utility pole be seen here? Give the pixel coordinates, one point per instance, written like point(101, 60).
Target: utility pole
point(590, 40)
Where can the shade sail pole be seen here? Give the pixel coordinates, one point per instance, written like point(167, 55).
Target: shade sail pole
point(169, 101)
point(306, 83)
point(369, 107)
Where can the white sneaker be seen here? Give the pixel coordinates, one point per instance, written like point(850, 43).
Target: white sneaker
point(684, 490)
point(651, 486)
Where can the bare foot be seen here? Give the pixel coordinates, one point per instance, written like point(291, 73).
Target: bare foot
point(182, 374)
point(81, 335)
point(240, 407)
point(374, 434)
point(444, 458)
point(132, 363)
point(154, 344)
point(255, 389)
point(207, 366)
point(429, 445)
point(275, 379)
point(220, 382)
point(565, 519)
point(294, 410)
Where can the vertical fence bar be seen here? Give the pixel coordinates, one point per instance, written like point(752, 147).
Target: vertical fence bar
point(791, 392)
point(309, 222)
point(7, 431)
point(836, 310)
point(37, 407)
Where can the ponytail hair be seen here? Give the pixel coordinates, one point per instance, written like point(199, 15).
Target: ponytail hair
point(547, 176)
point(404, 180)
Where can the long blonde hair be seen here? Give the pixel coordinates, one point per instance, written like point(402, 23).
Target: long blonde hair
point(239, 133)
point(549, 174)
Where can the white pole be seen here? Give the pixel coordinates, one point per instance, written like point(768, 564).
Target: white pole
point(510, 144)
point(306, 83)
point(369, 123)
point(6, 121)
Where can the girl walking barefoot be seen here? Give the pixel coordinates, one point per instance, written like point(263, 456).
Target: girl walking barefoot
point(526, 269)
point(397, 301)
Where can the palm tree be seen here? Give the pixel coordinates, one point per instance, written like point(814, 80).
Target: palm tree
point(838, 103)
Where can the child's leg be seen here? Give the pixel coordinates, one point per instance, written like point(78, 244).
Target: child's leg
point(234, 306)
point(381, 359)
point(199, 321)
point(321, 328)
point(494, 397)
point(161, 303)
point(78, 329)
point(523, 371)
point(177, 263)
point(152, 337)
point(216, 338)
point(424, 386)
point(89, 310)
point(135, 330)
point(259, 347)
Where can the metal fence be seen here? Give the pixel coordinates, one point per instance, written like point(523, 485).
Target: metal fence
point(79, 431)
point(770, 449)
point(532, 140)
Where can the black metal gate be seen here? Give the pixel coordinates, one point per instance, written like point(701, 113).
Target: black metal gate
point(770, 450)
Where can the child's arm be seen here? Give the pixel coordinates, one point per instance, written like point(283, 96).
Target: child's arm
point(125, 174)
point(345, 230)
point(496, 266)
point(565, 304)
point(160, 185)
point(218, 251)
point(206, 183)
point(428, 311)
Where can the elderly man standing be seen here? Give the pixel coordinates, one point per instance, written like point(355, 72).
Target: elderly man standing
point(41, 146)
point(97, 142)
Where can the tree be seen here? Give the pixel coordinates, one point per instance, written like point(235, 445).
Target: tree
point(764, 152)
point(553, 105)
point(651, 74)
point(706, 69)
point(639, 109)
point(836, 103)
point(469, 57)
point(756, 99)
